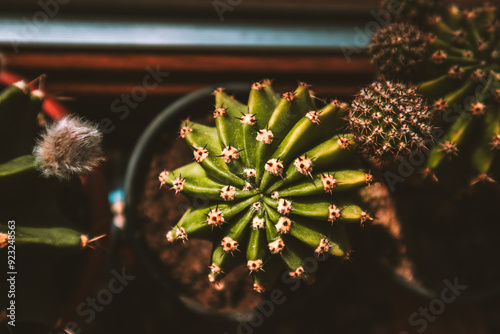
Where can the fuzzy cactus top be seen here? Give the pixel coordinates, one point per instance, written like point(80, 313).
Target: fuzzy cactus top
point(68, 147)
point(272, 183)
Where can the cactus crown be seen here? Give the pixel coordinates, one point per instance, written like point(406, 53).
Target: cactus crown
point(398, 48)
point(389, 119)
point(270, 170)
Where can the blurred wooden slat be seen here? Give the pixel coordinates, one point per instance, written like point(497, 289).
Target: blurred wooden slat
point(111, 73)
point(327, 63)
point(72, 88)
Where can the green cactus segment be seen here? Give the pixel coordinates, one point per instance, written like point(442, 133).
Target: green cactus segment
point(453, 138)
point(227, 114)
point(322, 238)
point(458, 131)
point(227, 254)
point(323, 210)
point(293, 257)
point(228, 125)
point(192, 180)
point(276, 208)
point(485, 154)
point(205, 137)
point(312, 127)
point(308, 130)
point(440, 86)
point(53, 236)
point(343, 180)
point(254, 250)
point(22, 164)
point(333, 152)
point(291, 108)
point(200, 223)
point(461, 60)
point(261, 103)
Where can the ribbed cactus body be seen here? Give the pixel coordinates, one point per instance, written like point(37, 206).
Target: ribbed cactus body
point(276, 176)
point(455, 65)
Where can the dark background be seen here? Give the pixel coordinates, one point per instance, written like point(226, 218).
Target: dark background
point(88, 79)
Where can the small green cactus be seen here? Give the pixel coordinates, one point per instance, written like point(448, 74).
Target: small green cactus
point(390, 119)
point(274, 175)
point(454, 58)
point(33, 221)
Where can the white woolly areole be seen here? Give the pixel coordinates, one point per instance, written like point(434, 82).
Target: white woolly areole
point(69, 147)
point(274, 166)
point(215, 217)
point(255, 265)
point(229, 244)
point(228, 193)
point(248, 119)
point(265, 136)
point(323, 247)
point(333, 213)
point(162, 177)
point(250, 172)
point(276, 246)
point(284, 206)
point(229, 154)
point(200, 153)
point(257, 223)
point(283, 225)
point(303, 165)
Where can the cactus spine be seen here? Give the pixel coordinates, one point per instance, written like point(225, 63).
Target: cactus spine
point(274, 172)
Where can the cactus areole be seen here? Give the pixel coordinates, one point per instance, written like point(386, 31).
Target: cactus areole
point(279, 178)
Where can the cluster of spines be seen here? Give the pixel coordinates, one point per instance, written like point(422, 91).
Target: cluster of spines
point(279, 197)
point(460, 75)
point(398, 48)
point(389, 119)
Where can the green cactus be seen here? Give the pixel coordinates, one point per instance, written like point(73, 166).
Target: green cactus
point(454, 58)
point(33, 221)
point(274, 175)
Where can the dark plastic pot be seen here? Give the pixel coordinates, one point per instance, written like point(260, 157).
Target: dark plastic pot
point(149, 261)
